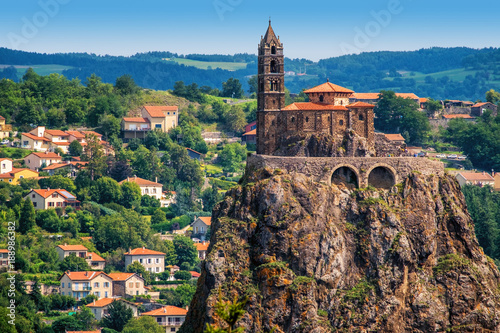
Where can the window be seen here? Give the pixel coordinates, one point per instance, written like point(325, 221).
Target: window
point(321, 98)
point(172, 329)
point(157, 269)
point(158, 126)
point(341, 122)
point(97, 293)
point(293, 119)
point(76, 286)
point(360, 117)
point(96, 284)
point(154, 191)
point(137, 284)
point(34, 204)
point(273, 49)
point(149, 260)
point(106, 284)
point(54, 195)
point(131, 285)
point(69, 284)
point(158, 319)
point(63, 293)
point(21, 177)
point(174, 113)
point(140, 260)
point(307, 119)
point(33, 195)
point(106, 294)
point(62, 284)
point(168, 113)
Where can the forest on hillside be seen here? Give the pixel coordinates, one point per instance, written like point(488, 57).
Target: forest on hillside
point(440, 73)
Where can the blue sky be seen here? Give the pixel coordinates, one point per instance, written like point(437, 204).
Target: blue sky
point(313, 30)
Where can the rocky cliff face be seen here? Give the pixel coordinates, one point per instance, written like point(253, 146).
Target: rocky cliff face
point(320, 258)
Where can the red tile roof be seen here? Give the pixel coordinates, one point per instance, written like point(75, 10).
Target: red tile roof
point(423, 100)
point(206, 219)
point(82, 276)
point(375, 96)
point(310, 106)
point(328, 87)
point(136, 120)
point(4, 251)
point(72, 247)
point(202, 246)
point(99, 331)
point(57, 132)
point(195, 274)
point(477, 176)
point(394, 137)
point(361, 105)
point(143, 251)
point(92, 133)
point(62, 165)
point(95, 257)
point(168, 310)
point(194, 151)
point(47, 193)
point(46, 155)
point(101, 303)
point(454, 116)
point(252, 132)
point(121, 276)
point(36, 138)
point(480, 104)
point(140, 181)
point(159, 111)
point(76, 134)
point(60, 143)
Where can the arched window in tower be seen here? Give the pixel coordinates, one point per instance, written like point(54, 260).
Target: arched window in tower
point(274, 66)
point(321, 98)
point(341, 122)
point(360, 117)
point(271, 86)
point(307, 119)
point(293, 119)
point(273, 49)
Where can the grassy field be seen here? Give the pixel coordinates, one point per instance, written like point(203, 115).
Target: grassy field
point(230, 66)
point(458, 74)
point(39, 69)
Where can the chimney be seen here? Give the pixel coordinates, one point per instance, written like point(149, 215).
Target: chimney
point(156, 179)
point(187, 308)
point(65, 244)
point(164, 310)
point(130, 250)
point(143, 247)
point(94, 302)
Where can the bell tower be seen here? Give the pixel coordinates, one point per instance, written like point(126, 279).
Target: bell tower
point(270, 91)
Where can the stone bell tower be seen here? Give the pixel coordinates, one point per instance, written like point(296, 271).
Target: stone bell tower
point(270, 91)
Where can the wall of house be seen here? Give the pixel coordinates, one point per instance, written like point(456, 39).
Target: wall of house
point(148, 265)
point(5, 166)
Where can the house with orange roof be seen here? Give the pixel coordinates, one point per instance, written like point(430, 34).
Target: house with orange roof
point(478, 109)
point(170, 317)
point(200, 226)
point(202, 248)
point(5, 165)
point(99, 308)
point(94, 260)
point(52, 198)
point(194, 275)
point(34, 142)
point(4, 128)
point(153, 189)
point(194, 154)
point(127, 284)
point(4, 258)
point(250, 137)
point(96, 331)
point(395, 138)
point(373, 98)
point(458, 116)
point(81, 284)
point(75, 135)
point(16, 174)
point(475, 178)
point(70, 168)
point(56, 135)
point(37, 161)
point(159, 118)
point(153, 261)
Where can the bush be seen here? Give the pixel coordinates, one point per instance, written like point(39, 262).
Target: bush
point(182, 275)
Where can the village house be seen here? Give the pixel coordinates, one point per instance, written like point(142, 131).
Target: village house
point(194, 154)
point(147, 187)
point(153, 261)
point(4, 258)
point(127, 284)
point(159, 118)
point(99, 308)
point(37, 161)
point(168, 198)
point(14, 176)
point(4, 128)
point(170, 317)
point(475, 178)
point(5, 165)
point(95, 261)
point(496, 186)
point(372, 98)
point(200, 226)
point(46, 199)
point(395, 138)
point(34, 142)
point(68, 169)
point(202, 249)
point(250, 137)
point(81, 284)
point(478, 109)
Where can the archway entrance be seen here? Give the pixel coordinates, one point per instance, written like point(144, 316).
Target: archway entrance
point(345, 176)
point(381, 177)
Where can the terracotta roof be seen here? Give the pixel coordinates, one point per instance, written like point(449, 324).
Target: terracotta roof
point(142, 251)
point(102, 302)
point(62, 165)
point(140, 181)
point(361, 105)
point(195, 274)
point(477, 176)
point(202, 246)
point(56, 132)
point(454, 116)
point(194, 151)
point(4, 251)
point(394, 137)
point(374, 96)
point(2, 118)
point(5, 158)
point(121, 276)
point(47, 193)
point(36, 138)
point(206, 219)
point(46, 155)
point(328, 87)
point(95, 257)
point(60, 143)
point(86, 238)
point(480, 104)
point(407, 95)
point(252, 132)
point(82, 276)
point(76, 134)
point(136, 120)
point(423, 100)
point(92, 132)
point(310, 106)
point(168, 310)
point(13, 172)
point(72, 247)
point(158, 111)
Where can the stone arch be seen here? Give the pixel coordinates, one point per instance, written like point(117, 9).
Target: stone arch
point(345, 174)
point(382, 176)
point(274, 66)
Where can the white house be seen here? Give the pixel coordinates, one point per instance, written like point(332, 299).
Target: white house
point(153, 261)
point(475, 178)
point(148, 187)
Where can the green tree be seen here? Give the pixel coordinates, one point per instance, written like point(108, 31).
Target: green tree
point(253, 84)
point(110, 126)
point(93, 153)
point(73, 263)
point(86, 317)
point(159, 216)
point(171, 255)
point(231, 157)
point(182, 275)
point(136, 267)
point(432, 106)
point(235, 119)
point(210, 197)
point(232, 88)
point(229, 313)
point(118, 316)
point(27, 217)
point(57, 182)
point(131, 195)
point(48, 220)
point(492, 96)
point(66, 323)
point(185, 250)
point(106, 189)
point(75, 148)
point(143, 324)
point(125, 85)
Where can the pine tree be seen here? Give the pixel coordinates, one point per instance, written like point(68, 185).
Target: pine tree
point(27, 217)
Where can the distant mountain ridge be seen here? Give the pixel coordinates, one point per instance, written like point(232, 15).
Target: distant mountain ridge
point(440, 73)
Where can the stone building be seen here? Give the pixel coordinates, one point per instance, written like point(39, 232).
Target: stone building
point(327, 112)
